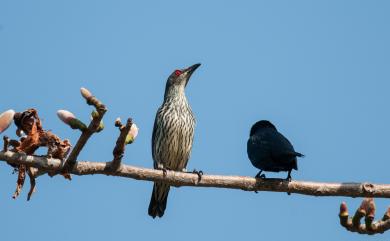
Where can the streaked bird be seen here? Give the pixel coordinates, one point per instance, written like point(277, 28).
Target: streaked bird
point(270, 151)
point(173, 134)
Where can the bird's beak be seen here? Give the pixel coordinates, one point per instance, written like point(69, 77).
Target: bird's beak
point(190, 70)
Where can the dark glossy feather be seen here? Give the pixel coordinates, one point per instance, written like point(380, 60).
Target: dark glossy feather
point(269, 150)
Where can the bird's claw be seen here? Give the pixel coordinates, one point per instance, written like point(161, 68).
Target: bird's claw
point(164, 170)
point(262, 176)
point(199, 173)
point(288, 179)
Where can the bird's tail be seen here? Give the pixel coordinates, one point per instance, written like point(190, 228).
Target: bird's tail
point(294, 153)
point(158, 201)
point(299, 154)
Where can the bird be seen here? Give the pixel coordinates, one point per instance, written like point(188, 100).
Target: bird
point(173, 135)
point(270, 151)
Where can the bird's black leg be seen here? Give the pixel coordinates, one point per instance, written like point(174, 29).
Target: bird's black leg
point(289, 179)
point(260, 176)
point(289, 176)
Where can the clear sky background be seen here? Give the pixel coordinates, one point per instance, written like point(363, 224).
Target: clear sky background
point(319, 70)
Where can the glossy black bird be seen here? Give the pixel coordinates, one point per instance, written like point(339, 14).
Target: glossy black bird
point(173, 135)
point(270, 151)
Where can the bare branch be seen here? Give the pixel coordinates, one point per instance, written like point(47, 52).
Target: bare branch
point(30, 172)
point(188, 179)
point(367, 210)
point(86, 134)
point(120, 143)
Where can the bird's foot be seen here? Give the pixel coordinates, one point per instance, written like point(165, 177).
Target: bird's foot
point(199, 173)
point(289, 176)
point(259, 175)
point(163, 169)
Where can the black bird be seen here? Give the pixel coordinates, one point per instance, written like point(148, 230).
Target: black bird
point(270, 151)
point(173, 134)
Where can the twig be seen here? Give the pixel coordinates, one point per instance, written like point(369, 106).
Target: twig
point(120, 143)
point(367, 210)
point(86, 134)
point(30, 172)
point(6, 143)
point(20, 180)
point(188, 179)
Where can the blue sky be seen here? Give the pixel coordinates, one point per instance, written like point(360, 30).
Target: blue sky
point(319, 70)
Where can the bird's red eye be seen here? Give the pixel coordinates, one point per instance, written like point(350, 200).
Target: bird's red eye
point(178, 72)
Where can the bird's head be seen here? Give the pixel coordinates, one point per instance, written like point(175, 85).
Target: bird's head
point(261, 125)
point(180, 77)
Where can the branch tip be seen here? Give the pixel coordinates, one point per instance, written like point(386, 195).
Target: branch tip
point(118, 122)
point(366, 210)
point(85, 93)
point(343, 210)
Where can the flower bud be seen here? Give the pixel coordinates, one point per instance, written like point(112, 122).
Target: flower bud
point(95, 114)
point(70, 119)
point(343, 209)
point(6, 119)
point(118, 122)
point(66, 116)
point(101, 127)
point(85, 93)
point(130, 138)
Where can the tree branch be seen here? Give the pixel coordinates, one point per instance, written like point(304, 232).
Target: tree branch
point(119, 148)
point(188, 179)
point(87, 133)
point(366, 210)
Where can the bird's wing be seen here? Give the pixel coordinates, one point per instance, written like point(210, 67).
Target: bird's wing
point(258, 147)
point(289, 146)
point(155, 134)
point(282, 152)
point(281, 146)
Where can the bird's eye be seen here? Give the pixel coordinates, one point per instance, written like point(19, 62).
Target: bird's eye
point(178, 72)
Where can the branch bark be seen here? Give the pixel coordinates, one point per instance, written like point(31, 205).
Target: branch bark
point(187, 179)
